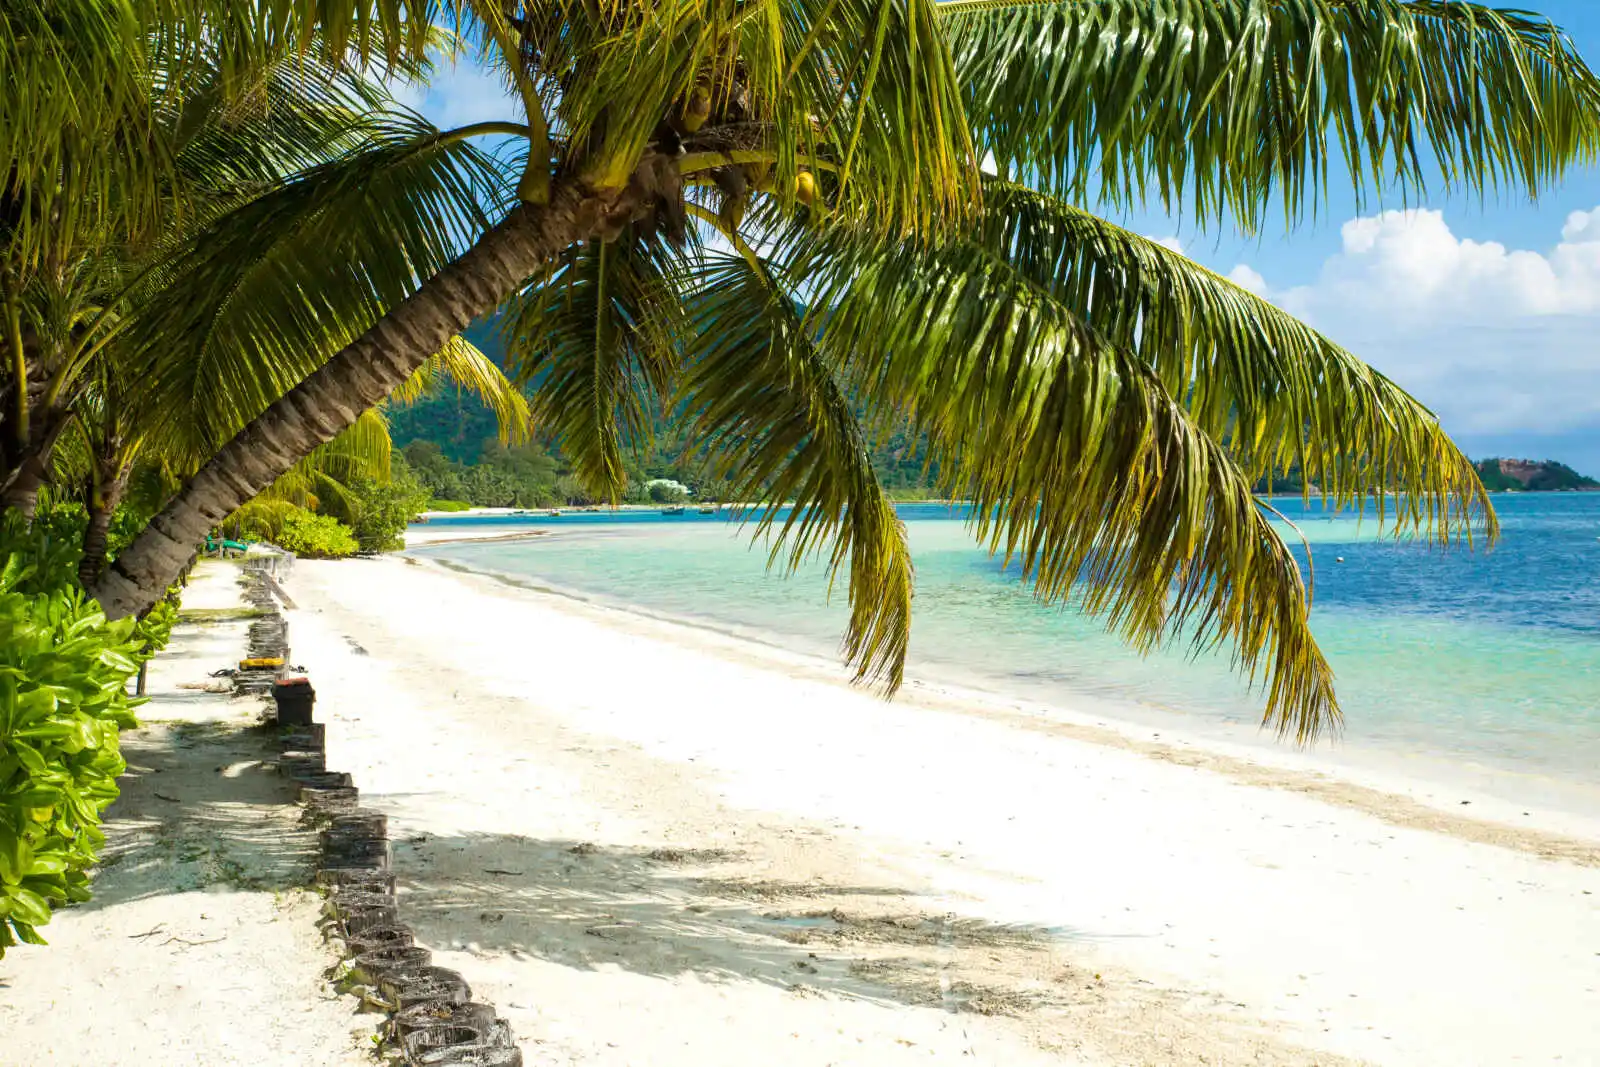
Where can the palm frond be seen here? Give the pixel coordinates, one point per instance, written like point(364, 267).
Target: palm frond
point(870, 88)
point(1250, 375)
point(269, 290)
point(232, 143)
point(1080, 465)
point(383, 36)
point(766, 403)
point(462, 363)
point(78, 150)
point(319, 481)
point(593, 343)
point(1220, 106)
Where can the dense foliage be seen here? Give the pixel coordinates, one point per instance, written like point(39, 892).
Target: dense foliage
point(379, 511)
point(314, 536)
point(449, 443)
point(64, 672)
point(294, 528)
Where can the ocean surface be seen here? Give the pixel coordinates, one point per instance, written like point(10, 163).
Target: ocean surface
point(1486, 662)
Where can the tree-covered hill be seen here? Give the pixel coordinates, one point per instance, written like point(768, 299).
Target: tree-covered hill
point(450, 441)
point(1532, 475)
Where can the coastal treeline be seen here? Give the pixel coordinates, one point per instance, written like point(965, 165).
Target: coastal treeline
point(229, 255)
point(448, 443)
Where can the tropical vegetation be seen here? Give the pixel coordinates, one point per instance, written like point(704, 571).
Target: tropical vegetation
point(64, 674)
point(799, 228)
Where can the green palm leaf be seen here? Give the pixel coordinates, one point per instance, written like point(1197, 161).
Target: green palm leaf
point(1250, 375)
point(766, 403)
point(594, 342)
point(461, 362)
point(319, 480)
point(78, 149)
point(1079, 463)
point(1223, 106)
point(266, 292)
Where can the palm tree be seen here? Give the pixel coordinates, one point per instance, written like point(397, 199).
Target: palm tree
point(118, 429)
point(134, 134)
point(775, 213)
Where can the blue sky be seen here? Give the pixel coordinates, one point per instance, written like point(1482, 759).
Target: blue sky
point(1488, 312)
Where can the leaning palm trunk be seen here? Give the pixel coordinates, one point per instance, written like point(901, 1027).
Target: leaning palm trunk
point(355, 379)
point(29, 467)
point(109, 488)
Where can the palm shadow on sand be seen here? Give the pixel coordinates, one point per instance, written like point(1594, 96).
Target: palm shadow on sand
point(670, 912)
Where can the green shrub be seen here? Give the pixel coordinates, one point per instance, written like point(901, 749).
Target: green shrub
point(448, 505)
point(667, 492)
point(380, 511)
point(314, 536)
point(63, 699)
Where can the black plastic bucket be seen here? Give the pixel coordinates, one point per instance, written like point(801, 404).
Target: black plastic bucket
point(295, 702)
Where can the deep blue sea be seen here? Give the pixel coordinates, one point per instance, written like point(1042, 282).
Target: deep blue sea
point(1478, 658)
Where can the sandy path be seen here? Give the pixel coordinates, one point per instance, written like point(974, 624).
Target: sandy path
point(198, 948)
point(776, 869)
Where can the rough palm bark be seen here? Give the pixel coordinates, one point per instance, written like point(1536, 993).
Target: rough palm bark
point(110, 485)
point(355, 379)
point(28, 467)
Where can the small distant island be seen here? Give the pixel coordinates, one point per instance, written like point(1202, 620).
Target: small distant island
point(1532, 476)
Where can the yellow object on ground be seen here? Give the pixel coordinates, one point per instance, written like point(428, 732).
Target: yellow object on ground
point(260, 661)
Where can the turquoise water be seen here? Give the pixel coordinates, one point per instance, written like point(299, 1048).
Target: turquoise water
point(1489, 658)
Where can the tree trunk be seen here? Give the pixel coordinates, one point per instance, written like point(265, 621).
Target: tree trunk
point(22, 495)
point(355, 379)
point(102, 504)
point(31, 468)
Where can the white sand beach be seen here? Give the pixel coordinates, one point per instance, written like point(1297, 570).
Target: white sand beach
point(649, 844)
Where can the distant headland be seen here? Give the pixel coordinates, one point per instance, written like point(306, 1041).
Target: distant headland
point(1533, 476)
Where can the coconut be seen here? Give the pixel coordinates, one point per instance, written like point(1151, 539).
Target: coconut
point(805, 187)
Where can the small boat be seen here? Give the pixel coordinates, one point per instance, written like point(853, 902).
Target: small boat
point(709, 509)
point(678, 510)
point(555, 513)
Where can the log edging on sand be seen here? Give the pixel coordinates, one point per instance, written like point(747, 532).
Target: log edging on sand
point(432, 1018)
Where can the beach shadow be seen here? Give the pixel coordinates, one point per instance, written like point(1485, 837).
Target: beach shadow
point(202, 807)
point(665, 913)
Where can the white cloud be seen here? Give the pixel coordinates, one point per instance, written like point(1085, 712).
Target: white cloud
point(463, 92)
point(1497, 340)
point(1411, 264)
point(1582, 226)
point(1169, 242)
point(407, 93)
point(1247, 277)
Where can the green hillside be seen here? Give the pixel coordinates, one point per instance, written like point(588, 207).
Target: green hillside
point(450, 442)
point(1532, 476)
